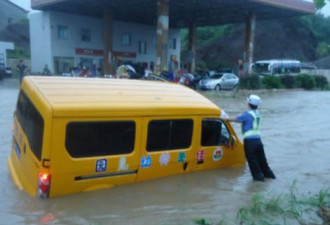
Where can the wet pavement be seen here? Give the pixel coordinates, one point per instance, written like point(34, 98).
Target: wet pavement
point(295, 130)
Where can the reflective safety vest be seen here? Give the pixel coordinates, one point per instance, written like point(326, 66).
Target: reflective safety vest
point(255, 130)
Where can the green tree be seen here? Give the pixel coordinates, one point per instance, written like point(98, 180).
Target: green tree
point(320, 3)
point(205, 34)
point(319, 25)
point(322, 49)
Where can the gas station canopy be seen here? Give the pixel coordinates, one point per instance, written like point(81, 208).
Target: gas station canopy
point(182, 13)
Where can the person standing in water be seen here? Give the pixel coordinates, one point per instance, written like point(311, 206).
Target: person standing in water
point(253, 147)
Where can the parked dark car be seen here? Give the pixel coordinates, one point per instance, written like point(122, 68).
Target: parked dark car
point(5, 72)
point(8, 72)
point(194, 82)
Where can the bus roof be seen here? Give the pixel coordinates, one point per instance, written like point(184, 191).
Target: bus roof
point(270, 61)
point(72, 96)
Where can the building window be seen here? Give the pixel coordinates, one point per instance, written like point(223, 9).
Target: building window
point(126, 40)
point(142, 47)
point(164, 135)
point(62, 32)
point(85, 35)
point(89, 139)
point(172, 43)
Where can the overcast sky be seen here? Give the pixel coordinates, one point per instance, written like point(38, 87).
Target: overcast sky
point(26, 4)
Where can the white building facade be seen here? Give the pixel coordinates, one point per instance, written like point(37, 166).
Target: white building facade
point(64, 41)
point(4, 46)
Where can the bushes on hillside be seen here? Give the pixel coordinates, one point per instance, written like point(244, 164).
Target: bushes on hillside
point(272, 82)
point(288, 81)
point(304, 81)
point(250, 82)
point(321, 82)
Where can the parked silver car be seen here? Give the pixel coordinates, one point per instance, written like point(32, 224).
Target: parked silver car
point(219, 81)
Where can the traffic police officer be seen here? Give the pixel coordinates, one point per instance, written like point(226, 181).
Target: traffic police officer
point(253, 147)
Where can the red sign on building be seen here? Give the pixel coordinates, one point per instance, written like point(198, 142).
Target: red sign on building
point(86, 51)
point(98, 52)
point(125, 54)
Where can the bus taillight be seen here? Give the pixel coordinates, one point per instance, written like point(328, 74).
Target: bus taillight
point(43, 185)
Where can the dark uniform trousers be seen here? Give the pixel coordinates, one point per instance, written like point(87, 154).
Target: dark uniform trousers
point(255, 156)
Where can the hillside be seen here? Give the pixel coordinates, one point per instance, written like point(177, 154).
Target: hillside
point(17, 33)
point(295, 38)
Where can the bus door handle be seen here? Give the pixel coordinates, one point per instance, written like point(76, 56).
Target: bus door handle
point(185, 165)
point(45, 163)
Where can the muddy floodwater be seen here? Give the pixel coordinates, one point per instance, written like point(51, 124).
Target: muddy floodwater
point(296, 136)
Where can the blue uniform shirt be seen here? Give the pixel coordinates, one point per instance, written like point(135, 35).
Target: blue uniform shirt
point(247, 123)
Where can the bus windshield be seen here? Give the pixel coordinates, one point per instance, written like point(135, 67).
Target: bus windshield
point(262, 68)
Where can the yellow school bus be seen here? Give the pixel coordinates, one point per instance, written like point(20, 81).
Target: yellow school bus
point(80, 134)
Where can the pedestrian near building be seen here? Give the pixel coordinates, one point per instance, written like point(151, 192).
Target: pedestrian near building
point(21, 70)
point(46, 71)
point(146, 73)
point(253, 147)
point(84, 72)
point(240, 68)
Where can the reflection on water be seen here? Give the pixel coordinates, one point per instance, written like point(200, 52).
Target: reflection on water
point(295, 135)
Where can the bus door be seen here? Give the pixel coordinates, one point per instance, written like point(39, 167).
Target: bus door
point(213, 148)
point(167, 147)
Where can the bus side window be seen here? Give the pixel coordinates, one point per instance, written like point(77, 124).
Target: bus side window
point(165, 135)
point(211, 132)
point(100, 138)
point(214, 133)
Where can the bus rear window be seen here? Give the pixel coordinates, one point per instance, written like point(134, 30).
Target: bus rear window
point(88, 139)
point(31, 122)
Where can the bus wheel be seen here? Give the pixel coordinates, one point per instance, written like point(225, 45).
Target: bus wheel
point(218, 87)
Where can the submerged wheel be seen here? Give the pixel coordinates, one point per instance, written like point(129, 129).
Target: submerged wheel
point(217, 87)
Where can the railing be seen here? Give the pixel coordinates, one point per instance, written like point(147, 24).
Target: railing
point(157, 78)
